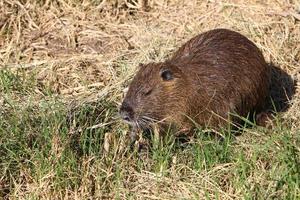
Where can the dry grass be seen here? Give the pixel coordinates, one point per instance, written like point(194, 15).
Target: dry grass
point(57, 54)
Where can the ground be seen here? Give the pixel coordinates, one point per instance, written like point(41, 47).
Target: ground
point(64, 67)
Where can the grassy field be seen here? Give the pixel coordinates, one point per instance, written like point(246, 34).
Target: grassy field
point(64, 67)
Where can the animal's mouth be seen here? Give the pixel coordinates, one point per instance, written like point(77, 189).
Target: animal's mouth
point(136, 120)
point(141, 122)
point(130, 122)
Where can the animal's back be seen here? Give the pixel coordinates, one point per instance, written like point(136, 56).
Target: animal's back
point(227, 74)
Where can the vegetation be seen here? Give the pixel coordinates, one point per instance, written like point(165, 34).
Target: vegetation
point(64, 67)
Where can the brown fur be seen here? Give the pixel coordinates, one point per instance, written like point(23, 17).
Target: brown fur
point(216, 73)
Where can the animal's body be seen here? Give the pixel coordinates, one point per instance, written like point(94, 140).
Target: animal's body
point(212, 76)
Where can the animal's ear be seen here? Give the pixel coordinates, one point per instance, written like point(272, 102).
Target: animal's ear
point(166, 74)
point(141, 65)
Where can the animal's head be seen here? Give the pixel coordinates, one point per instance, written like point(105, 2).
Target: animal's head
point(155, 94)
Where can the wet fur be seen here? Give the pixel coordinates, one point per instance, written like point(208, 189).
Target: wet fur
point(216, 73)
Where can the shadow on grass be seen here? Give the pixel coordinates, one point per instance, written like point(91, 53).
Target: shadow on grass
point(282, 90)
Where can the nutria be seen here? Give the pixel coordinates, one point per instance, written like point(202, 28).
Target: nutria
point(210, 80)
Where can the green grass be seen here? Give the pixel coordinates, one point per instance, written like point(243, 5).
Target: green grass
point(64, 65)
point(45, 143)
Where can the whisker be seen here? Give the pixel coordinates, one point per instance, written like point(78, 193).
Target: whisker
point(145, 124)
point(149, 119)
point(137, 124)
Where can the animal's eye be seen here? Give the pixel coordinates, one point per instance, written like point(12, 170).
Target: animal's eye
point(166, 75)
point(148, 92)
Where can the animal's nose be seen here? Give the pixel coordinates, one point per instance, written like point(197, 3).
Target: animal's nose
point(126, 112)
